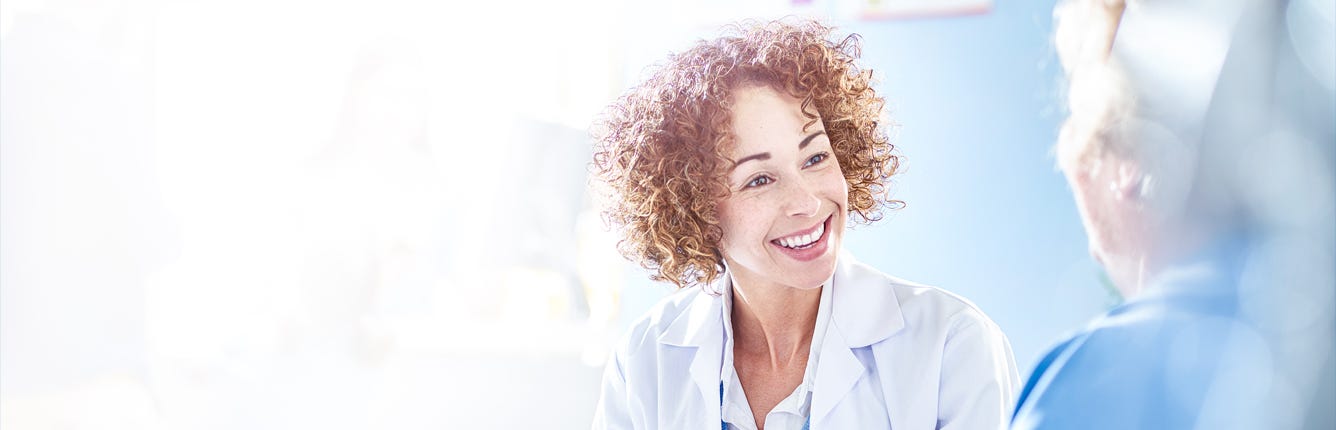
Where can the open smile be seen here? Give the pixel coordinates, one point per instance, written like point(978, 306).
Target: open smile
point(806, 245)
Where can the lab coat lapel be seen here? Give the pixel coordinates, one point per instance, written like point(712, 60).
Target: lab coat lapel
point(705, 373)
point(701, 328)
point(836, 373)
point(864, 312)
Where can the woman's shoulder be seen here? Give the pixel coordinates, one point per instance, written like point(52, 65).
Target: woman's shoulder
point(926, 330)
point(916, 301)
point(651, 327)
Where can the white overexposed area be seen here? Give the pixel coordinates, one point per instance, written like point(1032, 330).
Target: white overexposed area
point(353, 214)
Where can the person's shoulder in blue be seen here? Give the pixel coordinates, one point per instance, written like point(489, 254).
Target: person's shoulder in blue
point(1150, 363)
point(1229, 319)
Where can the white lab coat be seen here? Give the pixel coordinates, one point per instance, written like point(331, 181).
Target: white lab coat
point(896, 355)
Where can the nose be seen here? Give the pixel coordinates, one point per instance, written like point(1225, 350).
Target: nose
point(800, 200)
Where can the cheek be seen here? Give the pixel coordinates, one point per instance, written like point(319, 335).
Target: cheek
point(747, 219)
point(1080, 194)
point(1093, 203)
point(735, 215)
point(836, 188)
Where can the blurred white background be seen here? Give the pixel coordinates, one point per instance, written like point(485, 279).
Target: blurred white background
point(355, 214)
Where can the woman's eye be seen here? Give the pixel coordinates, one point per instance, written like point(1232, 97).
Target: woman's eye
point(816, 159)
point(758, 181)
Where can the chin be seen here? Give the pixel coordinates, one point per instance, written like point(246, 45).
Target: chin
point(817, 272)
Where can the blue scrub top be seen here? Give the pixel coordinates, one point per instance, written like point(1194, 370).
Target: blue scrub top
point(1152, 362)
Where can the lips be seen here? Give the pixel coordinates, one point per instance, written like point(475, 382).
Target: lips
point(806, 245)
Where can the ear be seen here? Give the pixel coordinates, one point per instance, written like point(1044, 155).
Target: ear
point(1128, 179)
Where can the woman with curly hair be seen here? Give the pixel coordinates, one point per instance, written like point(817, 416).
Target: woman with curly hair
point(732, 172)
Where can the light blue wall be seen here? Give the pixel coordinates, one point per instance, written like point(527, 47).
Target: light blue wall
point(987, 215)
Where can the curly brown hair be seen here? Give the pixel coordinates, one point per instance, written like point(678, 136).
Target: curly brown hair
point(659, 149)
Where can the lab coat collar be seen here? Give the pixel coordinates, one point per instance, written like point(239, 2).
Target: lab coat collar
point(837, 372)
point(701, 324)
point(864, 311)
point(701, 327)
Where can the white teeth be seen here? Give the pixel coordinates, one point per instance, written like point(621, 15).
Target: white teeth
point(804, 240)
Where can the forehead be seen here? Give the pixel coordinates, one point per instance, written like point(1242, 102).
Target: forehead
point(763, 118)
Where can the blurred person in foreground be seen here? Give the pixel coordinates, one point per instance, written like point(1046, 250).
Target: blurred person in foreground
point(1202, 171)
point(733, 171)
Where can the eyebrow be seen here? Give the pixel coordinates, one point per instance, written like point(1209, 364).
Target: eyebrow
point(808, 139)
point(766, 155)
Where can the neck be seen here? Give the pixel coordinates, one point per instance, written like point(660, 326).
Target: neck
point(775, 322)
point(1168, 247)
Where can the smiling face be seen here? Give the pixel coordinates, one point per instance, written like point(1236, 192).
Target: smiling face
point(785, 214)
